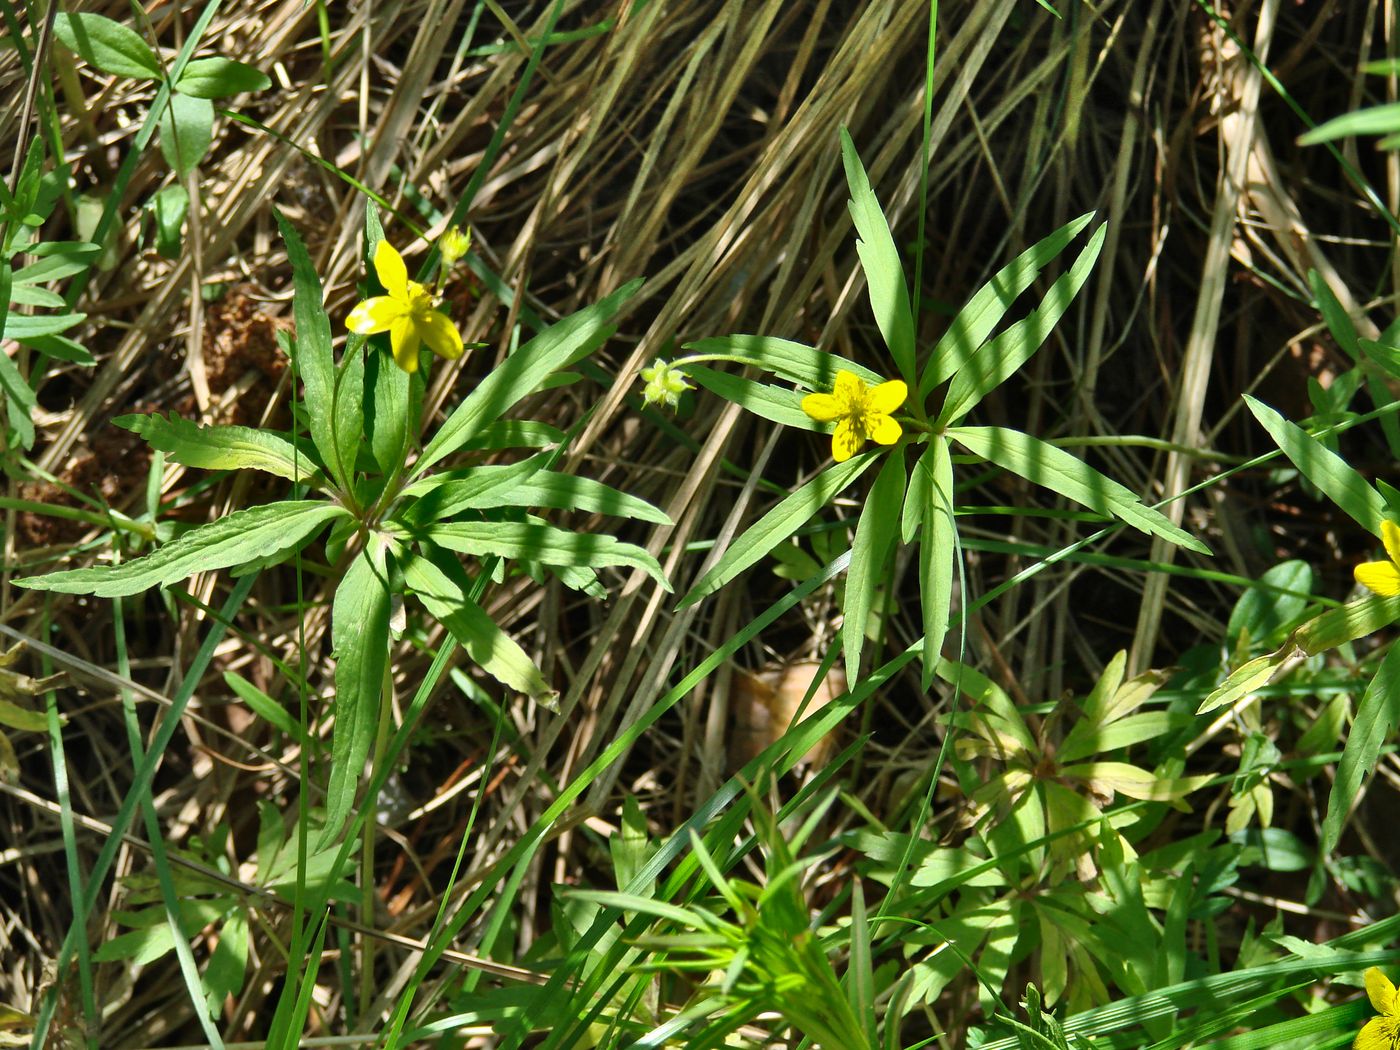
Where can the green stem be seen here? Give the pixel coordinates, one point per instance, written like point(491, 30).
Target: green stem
point(367, 887)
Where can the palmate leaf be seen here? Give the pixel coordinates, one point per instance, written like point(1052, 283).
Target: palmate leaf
point(545, 544)
point(360, 638)
point(1053, 468)
point(777, 525)
point(879, 259)
point(442, 588)
point(521, 374)
point(222, 447)
point(243, 536)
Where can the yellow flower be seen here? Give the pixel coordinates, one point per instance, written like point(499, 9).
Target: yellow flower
point(406, 313)
point(454, 244)
point(860, 412)
point(1383, 577)
point(1383, 1032)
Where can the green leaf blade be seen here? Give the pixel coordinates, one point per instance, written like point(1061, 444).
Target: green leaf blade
point(222, 447)
point(219, 77)
point(879, 258)
point(243, 536)
point(108, 45)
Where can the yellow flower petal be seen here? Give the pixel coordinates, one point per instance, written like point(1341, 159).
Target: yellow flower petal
point(404, 339)
point(1380, 1033)
point(1383, 578)
point(848, 388)
point(374, 315)
point(885, 430)
point(887, 397)
point(393, 274)
point(1381, 990)
point(845, 441)
point(440, 334)
point(1390, 536)
point(822, 407)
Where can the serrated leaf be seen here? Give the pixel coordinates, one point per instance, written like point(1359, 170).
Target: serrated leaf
point(222, 446)
point(875, 532)
point(444, 595)
point(778, 525)
point(814, 369)
point(108, 45)
point(1055, 469)
point(1324, 468)
point(879, 259)
point(1377, 716)
point(313, 356)
point(545, 544)
point(520, 374)
point(186, 130)
point(360, 640)
point(1001, 357)
point(241, 536)
point(220, 77)
point(440, 496)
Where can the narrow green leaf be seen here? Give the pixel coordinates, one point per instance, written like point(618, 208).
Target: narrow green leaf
point(219, 77)
point(348, 408)
point(1000, 358)
point(1245, 679)
point(169, 207)
point(769, 402)
point(360, 638)
point(936, 553)
point(1357, 619)
point(884, 274)
point(16, 717)
point(1055, 469)
point(1324, 468)
point(244, 535)
point(57, 259)
point(186, 130)
point(108, 45)
point(394, 398)
point(814, 369)
point(985, 310)
point(545, 544)
point(875, 532)
point(264, 706)
point(443, 592)
point(778, 525)
point(558, 491)
point(20, 400)
point(222, 447)
point(314, 358)
point(519, 375)
point(1377, 716)
point(25, 327)
point(1374, 120)
point(441, 496)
